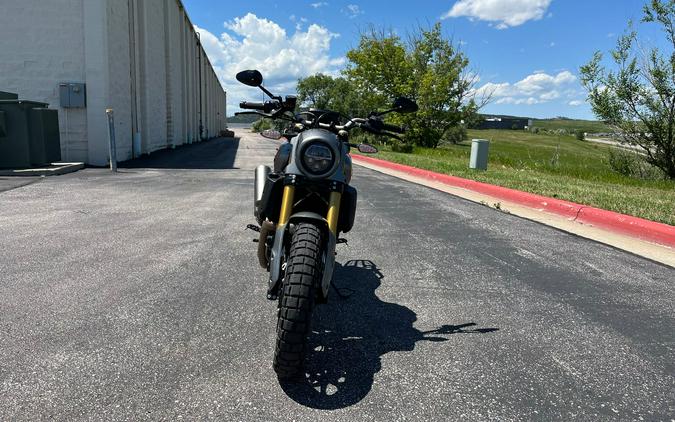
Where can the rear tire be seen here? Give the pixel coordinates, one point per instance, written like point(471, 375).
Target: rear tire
point(301, 279)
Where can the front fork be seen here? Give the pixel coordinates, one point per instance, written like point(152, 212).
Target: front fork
point(333, 206)
point(333, 211)
point(285, 214)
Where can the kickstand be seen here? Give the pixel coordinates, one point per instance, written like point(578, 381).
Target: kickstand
point(340, 293)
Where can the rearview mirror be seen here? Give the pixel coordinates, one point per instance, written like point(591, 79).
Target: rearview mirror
point(250, 77)
point(366, 149)
point(404, 105)
point(271, 134)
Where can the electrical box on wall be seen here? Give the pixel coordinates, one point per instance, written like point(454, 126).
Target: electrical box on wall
point(72, 95)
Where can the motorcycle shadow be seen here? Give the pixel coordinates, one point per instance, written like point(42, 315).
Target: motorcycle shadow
point(351, 333)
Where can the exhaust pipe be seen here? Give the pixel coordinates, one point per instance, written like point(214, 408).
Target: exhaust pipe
point(267, 229)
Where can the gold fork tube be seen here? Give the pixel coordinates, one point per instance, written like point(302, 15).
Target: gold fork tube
point(333, 211)
point(286, 205)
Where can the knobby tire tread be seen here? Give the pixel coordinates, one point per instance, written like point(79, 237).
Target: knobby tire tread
point(302, 277)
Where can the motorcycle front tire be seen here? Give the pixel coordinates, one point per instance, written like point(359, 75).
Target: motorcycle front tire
point(302, 276)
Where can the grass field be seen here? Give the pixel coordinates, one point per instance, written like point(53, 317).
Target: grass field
point(590, 126)
point(556, 166)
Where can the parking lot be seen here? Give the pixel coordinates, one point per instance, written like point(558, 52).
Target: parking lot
point(138, 295)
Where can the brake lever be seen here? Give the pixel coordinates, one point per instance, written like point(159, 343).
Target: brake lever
point(391, 135)
point(279, 114)
point(238, 113)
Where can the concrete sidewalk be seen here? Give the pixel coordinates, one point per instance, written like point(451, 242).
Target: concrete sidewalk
point(641, 237)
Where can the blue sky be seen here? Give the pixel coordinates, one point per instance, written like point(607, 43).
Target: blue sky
point(527, 52)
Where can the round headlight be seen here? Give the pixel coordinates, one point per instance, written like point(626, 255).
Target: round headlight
point(317, 158)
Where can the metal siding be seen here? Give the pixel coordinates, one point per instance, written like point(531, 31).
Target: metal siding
point(34, 62)
point(139, 57)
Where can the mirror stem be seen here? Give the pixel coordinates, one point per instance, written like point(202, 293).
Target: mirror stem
point(269, 94)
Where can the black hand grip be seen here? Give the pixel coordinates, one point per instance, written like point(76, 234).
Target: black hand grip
point(392, 128)
point(252, 106)
point(369, 128)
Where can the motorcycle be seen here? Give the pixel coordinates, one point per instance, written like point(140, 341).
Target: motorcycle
point(302, 205)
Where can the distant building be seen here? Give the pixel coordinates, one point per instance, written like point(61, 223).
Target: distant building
point(141, 58)
point(502, 122)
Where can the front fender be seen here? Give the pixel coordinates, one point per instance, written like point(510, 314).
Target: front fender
point(279, 245)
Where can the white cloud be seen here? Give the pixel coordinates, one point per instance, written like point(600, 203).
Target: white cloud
point(540, 82)
point(505, 13)
point(549, 95)
point(298, 22)
point(294, 18)
point(536, 88)
point(575, 103)
point(496, 90)
point(353, 10)
point(512, 100)
point(319, 4)
point(257, 43)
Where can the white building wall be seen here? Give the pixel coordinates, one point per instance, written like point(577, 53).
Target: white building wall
point(177, 73)
point(119, 76)
point(41, 45)
point(153, 84)
point(97, 77)
point(139, 57)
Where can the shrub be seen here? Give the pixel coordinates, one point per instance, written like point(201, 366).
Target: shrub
point(580, 135)
point(260, 125)
point(632, 164)
point(402, 147)
point(455, 135)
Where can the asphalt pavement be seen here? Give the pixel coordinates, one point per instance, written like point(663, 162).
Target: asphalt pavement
point(137, 296)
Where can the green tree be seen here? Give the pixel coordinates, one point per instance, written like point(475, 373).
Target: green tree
point(379, 69)
point(637, 97)
point(316, 91)
point(428, 68)
point(328, 93)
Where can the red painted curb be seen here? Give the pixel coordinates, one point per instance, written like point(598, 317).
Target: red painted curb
point(652, 231)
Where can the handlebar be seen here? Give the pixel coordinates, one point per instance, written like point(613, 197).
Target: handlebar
point(252, 106)
point(266, 107)
point(375, 125)
point(371, 124)
point(393, 128)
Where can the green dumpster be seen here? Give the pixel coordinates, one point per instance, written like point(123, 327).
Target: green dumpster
point(45, 142)
point(8, 96)
point(29, 134)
